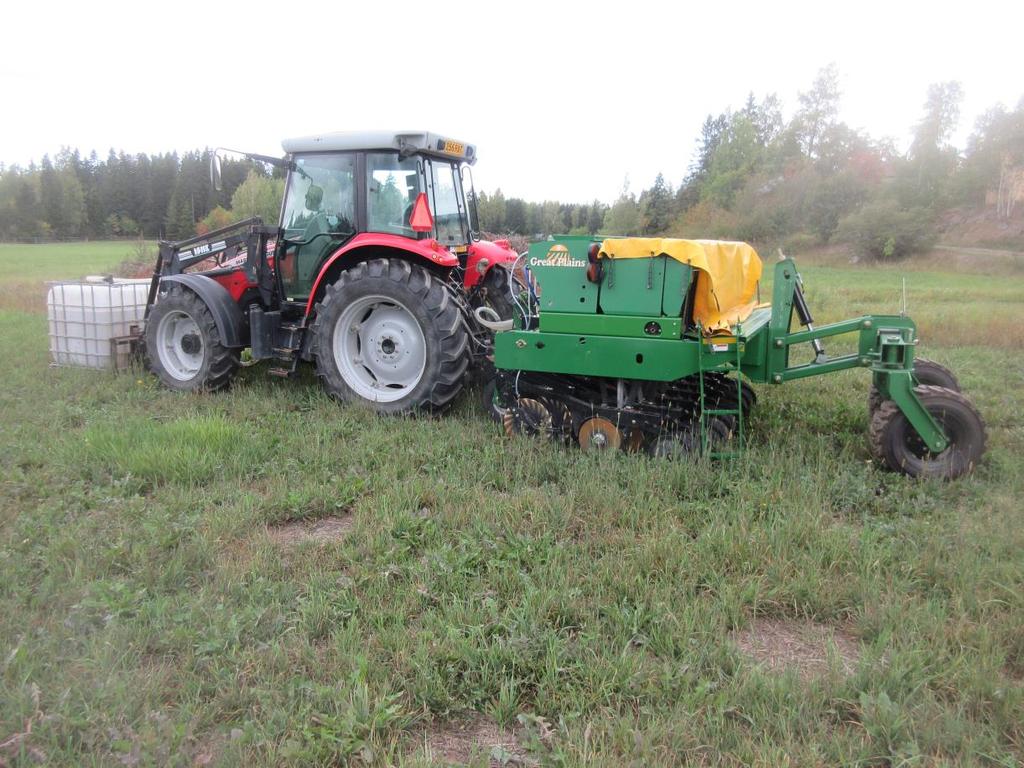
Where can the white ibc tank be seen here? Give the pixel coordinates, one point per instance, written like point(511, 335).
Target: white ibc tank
point(85, 315)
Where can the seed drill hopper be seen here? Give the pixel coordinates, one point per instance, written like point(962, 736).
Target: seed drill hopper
point(649, 344)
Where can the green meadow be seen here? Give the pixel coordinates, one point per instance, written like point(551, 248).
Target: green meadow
point(264, 577)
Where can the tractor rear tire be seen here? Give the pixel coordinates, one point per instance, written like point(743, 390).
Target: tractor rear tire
point(183, 345)
point(895, 442)
point(389, 334)
point(926, 373)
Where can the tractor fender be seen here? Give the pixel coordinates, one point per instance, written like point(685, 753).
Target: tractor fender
point(497, 252)
point(226, 312)
point(368, 245)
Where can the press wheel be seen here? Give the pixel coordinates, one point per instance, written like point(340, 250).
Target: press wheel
point(599, 434)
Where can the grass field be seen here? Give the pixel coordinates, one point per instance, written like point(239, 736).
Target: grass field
point(24, 263)
point(24, 268)
point(262, 577)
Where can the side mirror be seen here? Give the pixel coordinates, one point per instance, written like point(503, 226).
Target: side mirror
point(215, 178)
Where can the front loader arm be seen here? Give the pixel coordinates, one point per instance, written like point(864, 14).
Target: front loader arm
point(174, 258)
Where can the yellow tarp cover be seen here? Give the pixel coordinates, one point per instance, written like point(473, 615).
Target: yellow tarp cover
point(726, 281)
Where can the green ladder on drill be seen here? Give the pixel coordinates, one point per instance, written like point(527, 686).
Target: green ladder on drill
point(706, 414)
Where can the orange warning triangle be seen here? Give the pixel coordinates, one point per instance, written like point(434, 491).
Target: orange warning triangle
point(421, 220)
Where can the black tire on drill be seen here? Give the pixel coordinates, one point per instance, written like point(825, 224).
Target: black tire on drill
point(688, 443)
point(489, 400)
point(747, 394)
point(427, 299)
point(749, 397)
point(926, 373)
point(219, 363)
point(896, 443)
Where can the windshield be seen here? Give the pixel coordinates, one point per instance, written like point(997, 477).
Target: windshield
point(321, 194)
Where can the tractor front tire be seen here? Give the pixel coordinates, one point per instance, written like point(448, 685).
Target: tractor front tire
point(389, 334)
point(895, 442)
point(495, 292)
point(183, 345)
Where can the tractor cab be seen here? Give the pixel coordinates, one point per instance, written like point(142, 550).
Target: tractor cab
point(408, 186)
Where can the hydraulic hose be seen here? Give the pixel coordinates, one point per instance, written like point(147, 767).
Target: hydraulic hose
point(495, 323)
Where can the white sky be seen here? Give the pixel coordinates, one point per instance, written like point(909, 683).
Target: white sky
point(563, 100)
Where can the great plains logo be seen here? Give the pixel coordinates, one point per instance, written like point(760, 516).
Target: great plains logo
point(558, 256)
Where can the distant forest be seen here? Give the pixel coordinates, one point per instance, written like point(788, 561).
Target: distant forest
point(164, 195)
point(753, 176)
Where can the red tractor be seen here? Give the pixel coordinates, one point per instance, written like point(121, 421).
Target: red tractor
point(373, 274)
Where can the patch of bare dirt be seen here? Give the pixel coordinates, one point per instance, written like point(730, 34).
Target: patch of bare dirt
point(324, 529)
point(801, 646)
point(210, 748)
point(459, 741)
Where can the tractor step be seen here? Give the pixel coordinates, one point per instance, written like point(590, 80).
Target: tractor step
point(287, 359)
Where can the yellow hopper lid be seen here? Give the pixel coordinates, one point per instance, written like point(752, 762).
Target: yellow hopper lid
point(727, 277)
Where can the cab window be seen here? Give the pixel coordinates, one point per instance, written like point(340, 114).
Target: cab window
point(319, 212)
point(392, 185)
point(321, 194)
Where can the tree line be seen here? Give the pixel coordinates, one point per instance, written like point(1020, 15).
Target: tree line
point(810, 180)
point(162, 195)
point(754, 176)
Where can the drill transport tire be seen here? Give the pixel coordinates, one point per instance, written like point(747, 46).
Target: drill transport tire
point(895, 442)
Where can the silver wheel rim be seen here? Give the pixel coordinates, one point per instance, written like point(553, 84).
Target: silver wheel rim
point(379, 348)
point(180, 345)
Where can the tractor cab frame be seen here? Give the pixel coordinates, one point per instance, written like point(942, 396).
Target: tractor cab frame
point(340, 186)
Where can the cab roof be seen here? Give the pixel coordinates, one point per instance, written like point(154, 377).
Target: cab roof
point(423, 142)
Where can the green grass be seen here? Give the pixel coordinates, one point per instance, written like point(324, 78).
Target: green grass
point(147, 617)
point(52, 261)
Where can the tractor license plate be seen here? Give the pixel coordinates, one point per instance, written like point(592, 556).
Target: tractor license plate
point(454, 147)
